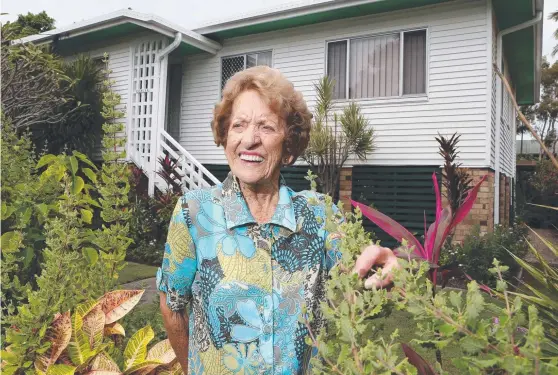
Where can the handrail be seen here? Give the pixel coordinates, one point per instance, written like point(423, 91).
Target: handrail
point(188, 156)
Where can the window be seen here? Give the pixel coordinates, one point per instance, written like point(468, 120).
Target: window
point(234, 64)
point(378, 66)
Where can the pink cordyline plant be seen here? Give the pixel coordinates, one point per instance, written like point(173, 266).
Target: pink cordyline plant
point(437, 232)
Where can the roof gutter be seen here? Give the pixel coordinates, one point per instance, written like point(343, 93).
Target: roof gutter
point(123, 16)
point(171, 47)
point(499, 98)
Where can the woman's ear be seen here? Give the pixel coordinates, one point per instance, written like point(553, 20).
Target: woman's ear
point(288, 160)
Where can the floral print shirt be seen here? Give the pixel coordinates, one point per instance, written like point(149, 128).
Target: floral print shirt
point(244, 283)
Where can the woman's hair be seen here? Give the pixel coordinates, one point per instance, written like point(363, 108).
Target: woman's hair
point(279, 94)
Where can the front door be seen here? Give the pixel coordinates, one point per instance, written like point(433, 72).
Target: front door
point(174, 96)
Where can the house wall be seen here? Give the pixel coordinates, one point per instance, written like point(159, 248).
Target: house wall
point(458, 53)
point(507, 118)
point(495, 81)
point(507, 131)
point(120, 65)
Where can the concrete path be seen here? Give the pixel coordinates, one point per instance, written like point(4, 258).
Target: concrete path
point(150, 295)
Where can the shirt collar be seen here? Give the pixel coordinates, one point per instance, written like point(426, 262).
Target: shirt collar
point(237, 212)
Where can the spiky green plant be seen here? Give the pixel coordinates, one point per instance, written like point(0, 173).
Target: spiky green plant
point(543, 290)
point(335, 137)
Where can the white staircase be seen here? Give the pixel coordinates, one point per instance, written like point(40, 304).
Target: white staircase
point(146, 138)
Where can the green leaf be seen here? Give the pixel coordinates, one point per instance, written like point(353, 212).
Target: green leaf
point(73, 165)
point(143, 367)
point(60, 370)
point(136, 350)
point(7, 211)
point(90, 174)
point(9, 357)
point(446, 329)
point(472, 345)
point(91, 255)
point(86, 215)
point(25, 216)
point(455, 299)
point(42, 208)
point(78, 348)
point(28, 256)
point(46, 160)
point(10, 241)
point(77, 186)
point(84, 159)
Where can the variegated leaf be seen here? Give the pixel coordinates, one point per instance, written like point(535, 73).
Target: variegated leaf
point(143, 368)
point(162, 352)
point(61, 370)
point(84, 308)
point(174, 369)
point(114, 329)
point(136, 350)
point(103, 365)
point(93, 325)
point(79, 349)
point(118, 303)
point(58, 334)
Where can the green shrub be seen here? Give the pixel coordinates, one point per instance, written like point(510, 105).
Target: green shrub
point(149, 224)
point(475, 254)
point(538, 187)
point(148, 314)
point(81, 260)
point(27, 202)
point(509, 339)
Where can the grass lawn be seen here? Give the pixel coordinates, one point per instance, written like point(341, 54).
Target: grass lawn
point(136, 271)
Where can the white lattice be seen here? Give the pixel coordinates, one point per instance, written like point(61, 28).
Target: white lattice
point(145, 81)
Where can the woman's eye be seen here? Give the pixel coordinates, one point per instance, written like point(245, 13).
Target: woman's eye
point(237, 125)
point(268, 128)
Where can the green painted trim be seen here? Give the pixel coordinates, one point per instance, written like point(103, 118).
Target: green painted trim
point(323, 16)
point(81, 43)
point(519, 47)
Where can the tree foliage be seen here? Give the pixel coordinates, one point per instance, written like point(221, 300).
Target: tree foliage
point(27, 24)
point(34, 87)
point(545, 113)
point(335, 137)
point(81, 128)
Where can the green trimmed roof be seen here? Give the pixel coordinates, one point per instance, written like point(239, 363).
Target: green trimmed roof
point(519, 47)
point(321, 16)
point(83, 42)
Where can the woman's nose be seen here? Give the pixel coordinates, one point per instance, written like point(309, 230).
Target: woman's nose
point(250, 137)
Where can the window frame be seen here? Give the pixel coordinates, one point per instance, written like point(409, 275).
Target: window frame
point(401, 33)
point(245, 59)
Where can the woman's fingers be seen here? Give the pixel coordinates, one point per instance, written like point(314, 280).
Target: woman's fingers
point(376, 255)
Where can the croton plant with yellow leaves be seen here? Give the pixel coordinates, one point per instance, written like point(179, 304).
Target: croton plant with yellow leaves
point(88, 342)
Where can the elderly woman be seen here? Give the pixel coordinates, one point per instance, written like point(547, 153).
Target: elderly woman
point(245, 256)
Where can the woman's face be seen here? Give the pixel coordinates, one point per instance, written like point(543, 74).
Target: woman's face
point(254, 147)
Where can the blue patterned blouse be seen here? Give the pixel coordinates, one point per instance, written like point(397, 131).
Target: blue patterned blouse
point(247, 282)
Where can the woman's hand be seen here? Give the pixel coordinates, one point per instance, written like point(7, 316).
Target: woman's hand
point(374, 255)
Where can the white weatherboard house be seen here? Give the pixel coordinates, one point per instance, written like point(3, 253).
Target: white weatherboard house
point(416, 67)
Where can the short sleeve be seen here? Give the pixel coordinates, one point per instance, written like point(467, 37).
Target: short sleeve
point(177, 273)
point(333, 237)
